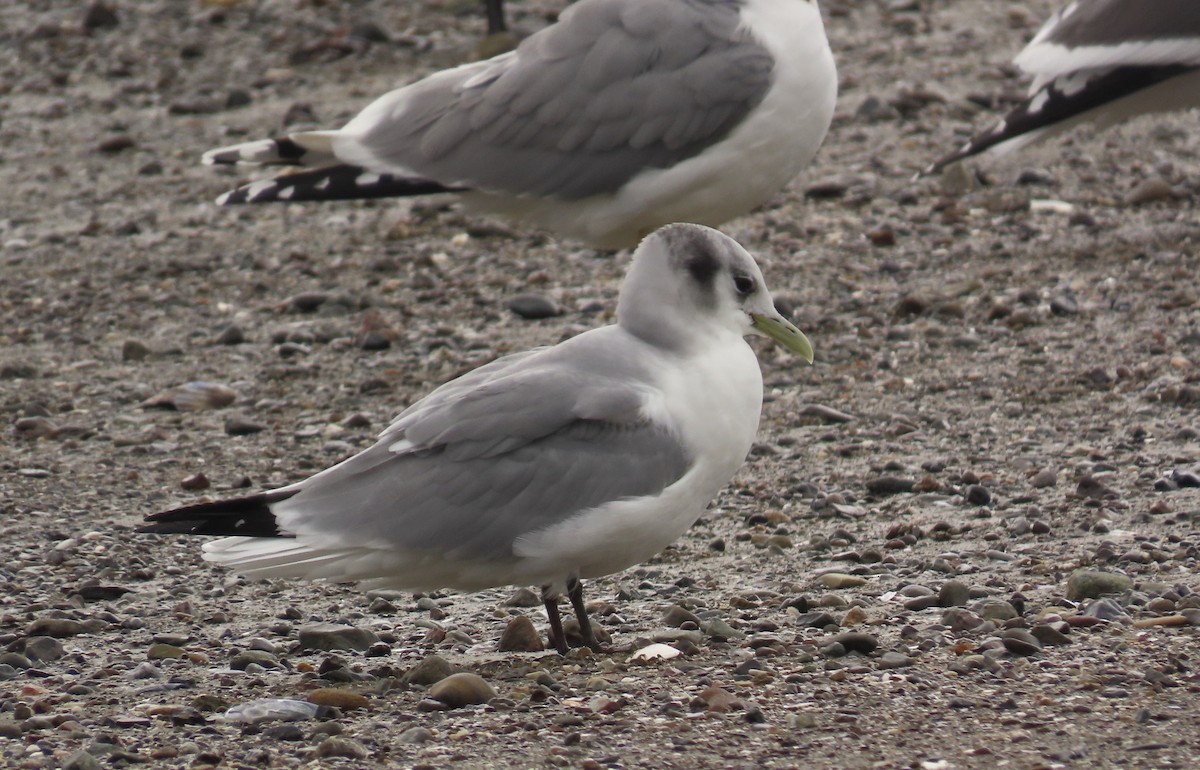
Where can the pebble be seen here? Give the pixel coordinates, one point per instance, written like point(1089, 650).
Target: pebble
point(285, 732)
point(520, 636)
point(341, 747)
point(1092, 584)
point(977, 494)
point(720, 631)
point(82, 760)
point(891, 660)
point(431, 669)
point(656, 651)
point(953, 593)
point(816, 619)
point(677, 616)
point(231, 335)
point(192, 397)
point(889, 485)
point(840, 580)
point(1049, 635)
point(1149, 190)
point(334, 636)
point(270, 710)
point(462, 689)
point(195, 482)
point(43, 648)
point(1019, 641)
point(1104, 609)
point(416, 735)
point(856, 641)
point(825, 414)
point(59, 628)
point(1046, 477)
point(342, 699)
point(523, 597)
point(160, 651)
point(134, 350)
point(997, 609)
point(534, 306)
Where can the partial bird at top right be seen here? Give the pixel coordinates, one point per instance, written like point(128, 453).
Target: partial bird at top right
point(1103, 61)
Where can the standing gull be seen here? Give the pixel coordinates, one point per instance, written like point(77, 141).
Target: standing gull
point(543, 467)
point(623, 116)
point(1104, 61)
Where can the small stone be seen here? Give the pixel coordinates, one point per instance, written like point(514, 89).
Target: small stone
point(114, 144)
point(883, 235)
point(1049, 635)
point(656, 651)
point(717, 699)
point(841, 580)
point(240, 426)
point(889, 485)
point(32, 428)
point(271, 709)
point(192, 397)
point(431, 669)
point(100, 16)
point(1092, 584)
point(977, 494)
point(1019, 641)
point(677, 616)
point(342, 699)
point(825, 414)
point(891, 660)
point(534, 306)
point(462, 689)
point(416, 735)
point(334, 636)
point(160, 651)
point(59, 628)
point(335, 746)
point(81, 760)
point(231, 335)
point(1044, 478)
point(523, 597)
point(520, 636)
point(308, 302)
point(953, 593)
point(285, 732)
point(997, 609)
point(43, 648)
point(196, 482)
point(856, 641)
point(1104, 609)
point(1149, 190)
point(720, 631)
point(134, 350)
point(815, 619)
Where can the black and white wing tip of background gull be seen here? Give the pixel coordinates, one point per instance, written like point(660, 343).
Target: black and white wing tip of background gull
point(623, 116)
point(544, 467)
point(1103, 61)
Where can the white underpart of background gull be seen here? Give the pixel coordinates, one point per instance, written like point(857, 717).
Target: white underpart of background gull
point(623, 116)
point(1103, 61)
point(544, 467)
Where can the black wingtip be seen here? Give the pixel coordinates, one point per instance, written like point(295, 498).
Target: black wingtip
point(331, 183)
point(245, 516)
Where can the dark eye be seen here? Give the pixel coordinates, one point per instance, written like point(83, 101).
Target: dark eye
point(744, 284)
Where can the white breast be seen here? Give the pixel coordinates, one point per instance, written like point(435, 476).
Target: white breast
point(714, 400)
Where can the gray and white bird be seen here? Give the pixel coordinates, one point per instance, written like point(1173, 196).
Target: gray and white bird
point(544, 467)
point(1103, 61)
point(623, 116)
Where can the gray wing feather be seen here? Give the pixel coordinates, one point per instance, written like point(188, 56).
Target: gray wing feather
point(513, 447)
point(612, 89)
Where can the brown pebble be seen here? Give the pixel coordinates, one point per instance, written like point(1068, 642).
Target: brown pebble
point(462, 689)
point(1165, 620)
point(520, 636)
point(343, 699)
point(196, 482)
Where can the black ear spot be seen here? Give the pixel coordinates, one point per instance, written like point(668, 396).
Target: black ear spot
point(703, 264)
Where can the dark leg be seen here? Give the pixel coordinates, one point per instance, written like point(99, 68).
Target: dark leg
point(495, 16)
point(557, 638)
point(575, 593)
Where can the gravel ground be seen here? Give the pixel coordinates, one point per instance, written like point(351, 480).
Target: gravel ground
point(1005, 396)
